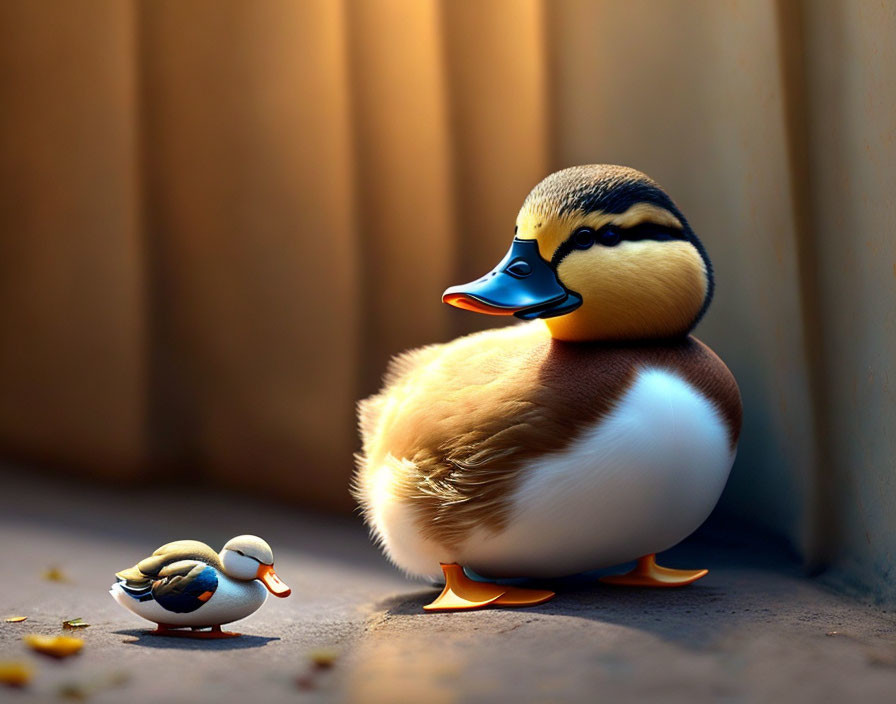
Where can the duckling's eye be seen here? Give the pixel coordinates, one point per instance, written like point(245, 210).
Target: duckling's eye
point(610, 237)
point(583, 238)
point(519, 268)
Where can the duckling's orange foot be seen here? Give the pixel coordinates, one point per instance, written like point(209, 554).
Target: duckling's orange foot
point(176, 632)
point(649, 574)
point(462, 593)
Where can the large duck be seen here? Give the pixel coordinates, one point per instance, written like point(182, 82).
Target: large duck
point(596, 433)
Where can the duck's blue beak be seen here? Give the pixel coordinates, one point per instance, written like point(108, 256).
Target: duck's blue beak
point(523, 284)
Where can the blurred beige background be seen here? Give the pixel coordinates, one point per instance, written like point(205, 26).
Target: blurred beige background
point(219, 219)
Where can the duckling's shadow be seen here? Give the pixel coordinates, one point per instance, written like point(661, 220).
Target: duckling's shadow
point(147, 640)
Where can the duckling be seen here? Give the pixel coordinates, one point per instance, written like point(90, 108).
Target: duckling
point(596, 432)
point(187, 584)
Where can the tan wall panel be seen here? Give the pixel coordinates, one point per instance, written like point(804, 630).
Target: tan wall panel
point(72, 368)
point(851, 55)
point(403, 170)
point(250, 208)
point(495, 58)
point(691, 93)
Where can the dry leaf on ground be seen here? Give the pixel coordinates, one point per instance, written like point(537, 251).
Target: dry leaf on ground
point(54, 574)
point(323, 657)
point(15, 674)
point(55, 646)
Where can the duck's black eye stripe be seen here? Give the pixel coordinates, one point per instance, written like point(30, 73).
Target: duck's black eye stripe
point(651, 231)
point(644, 231)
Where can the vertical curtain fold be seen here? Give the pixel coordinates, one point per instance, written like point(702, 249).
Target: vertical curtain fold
point(851, 132)
point(250, 213)
point(403, 166)
point(73, 362)
point(494, 60)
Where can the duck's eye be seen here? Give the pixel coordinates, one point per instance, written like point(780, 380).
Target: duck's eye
point(583, 238)
point(610, 237)
point(519, 268)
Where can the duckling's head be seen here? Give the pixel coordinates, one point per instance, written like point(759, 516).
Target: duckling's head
point(600, 253)
point(248, 557)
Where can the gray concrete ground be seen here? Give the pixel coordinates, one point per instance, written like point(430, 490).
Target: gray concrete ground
point(753, 630)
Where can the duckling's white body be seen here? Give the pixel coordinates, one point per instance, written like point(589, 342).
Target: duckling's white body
point(186, 583)
point(233, 600)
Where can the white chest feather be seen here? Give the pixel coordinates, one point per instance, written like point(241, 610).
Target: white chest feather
point(639, 481)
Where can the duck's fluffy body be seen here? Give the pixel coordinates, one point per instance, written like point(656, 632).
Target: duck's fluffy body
point(516, 454)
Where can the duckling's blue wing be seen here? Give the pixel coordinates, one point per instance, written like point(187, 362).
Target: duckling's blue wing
point(184, 586)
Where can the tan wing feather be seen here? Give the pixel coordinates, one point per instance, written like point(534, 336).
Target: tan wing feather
point(151, 567)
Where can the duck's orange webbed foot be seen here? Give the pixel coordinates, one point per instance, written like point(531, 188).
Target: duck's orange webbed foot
point(649, 574)
point(462, 593)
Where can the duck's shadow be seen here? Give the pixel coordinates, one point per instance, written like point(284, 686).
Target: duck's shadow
point(146, 639)
point(693, 617)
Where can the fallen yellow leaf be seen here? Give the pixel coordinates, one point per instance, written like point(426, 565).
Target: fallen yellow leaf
point(55, 646)
point(54, 574)
point(323, 657)
point(16, 619)
point(14, 674)
point(74, 624)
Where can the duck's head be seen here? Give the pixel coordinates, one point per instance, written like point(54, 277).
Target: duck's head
point(600, 253)
point(248, 557)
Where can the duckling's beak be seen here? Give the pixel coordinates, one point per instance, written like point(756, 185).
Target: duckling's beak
point(270, 579)
point(523, 284)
